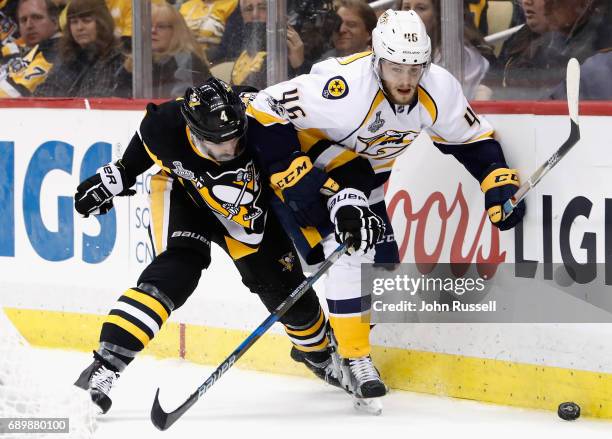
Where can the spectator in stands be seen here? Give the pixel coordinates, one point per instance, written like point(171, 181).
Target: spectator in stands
point(315, 21)
point(37, 21)
point(354, 34)
point(580, 28)
point(595, 76)
point(207, 18)
point(477, 11)
point(478, 55)
point(250, 66)
point(533, 61)
point(512, 77)
point(90, 62)
point(23, 72)
point(178, 60)
point(9, 32)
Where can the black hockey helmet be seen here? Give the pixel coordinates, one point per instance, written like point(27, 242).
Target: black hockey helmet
point(214, 112)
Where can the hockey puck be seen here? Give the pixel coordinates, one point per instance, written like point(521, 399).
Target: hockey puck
point(569, 411)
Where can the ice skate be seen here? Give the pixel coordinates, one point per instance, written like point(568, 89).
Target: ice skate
point(320, 363)
point(361, 380)
point(98, 379)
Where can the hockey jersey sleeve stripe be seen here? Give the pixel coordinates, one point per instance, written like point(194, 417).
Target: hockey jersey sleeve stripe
point(440, 142)
point(487, 135)
point(340, 160)
point(266, 119)
point(310, 137)
point(317, 149)
point(428, 102)
point(157, 161)
point(312, 235)
point(352, 58)
point(326, 155)
point(378, 98)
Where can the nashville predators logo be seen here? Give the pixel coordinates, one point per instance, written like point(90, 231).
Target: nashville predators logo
point(287, 261)
point(386, 145)
point(335, 88)
point(234, 195)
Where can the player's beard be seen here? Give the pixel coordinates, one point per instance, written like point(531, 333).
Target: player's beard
point(400, 99)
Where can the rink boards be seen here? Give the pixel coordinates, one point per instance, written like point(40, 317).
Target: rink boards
point(61, 273)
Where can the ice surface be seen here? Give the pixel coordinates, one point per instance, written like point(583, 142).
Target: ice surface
point(247, 404)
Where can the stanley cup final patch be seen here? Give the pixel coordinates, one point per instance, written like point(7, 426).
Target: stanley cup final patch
point(336, 88)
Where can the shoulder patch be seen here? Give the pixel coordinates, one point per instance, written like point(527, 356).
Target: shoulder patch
point(336, 88)
point(278, 108)
point(247, 97)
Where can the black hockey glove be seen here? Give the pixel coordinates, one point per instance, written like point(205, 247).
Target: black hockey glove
point(301, 186)
point(499, 184)
point(354, 221)
point(94, 196)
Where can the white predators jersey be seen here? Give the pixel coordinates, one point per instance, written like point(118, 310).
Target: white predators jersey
point(341, 101)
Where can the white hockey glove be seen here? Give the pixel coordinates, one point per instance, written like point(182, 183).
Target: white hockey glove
point(94, 196)
point(354, 221)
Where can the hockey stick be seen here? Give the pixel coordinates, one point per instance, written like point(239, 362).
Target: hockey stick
point(163, 420)
point(573, 86)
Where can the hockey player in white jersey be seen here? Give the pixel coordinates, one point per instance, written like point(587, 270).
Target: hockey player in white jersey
point(372, 106)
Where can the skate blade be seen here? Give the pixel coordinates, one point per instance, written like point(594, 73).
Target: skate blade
point(372, 406)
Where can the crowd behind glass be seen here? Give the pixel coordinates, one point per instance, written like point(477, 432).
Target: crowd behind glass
point(82, 48)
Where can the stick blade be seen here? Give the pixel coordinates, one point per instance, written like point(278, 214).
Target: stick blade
point(573, 88)
point(163, 420)
point(158, 416)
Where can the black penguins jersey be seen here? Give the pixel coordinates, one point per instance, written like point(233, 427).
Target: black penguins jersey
point(232, 189)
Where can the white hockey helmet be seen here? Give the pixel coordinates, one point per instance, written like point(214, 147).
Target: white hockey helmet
point(400, 37)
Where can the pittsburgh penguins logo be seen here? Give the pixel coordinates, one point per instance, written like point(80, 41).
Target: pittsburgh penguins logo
point(234, 194)
point(386, 145)
point(335, 88)
point(287, 261)
point(247, 97)
point(194, 100)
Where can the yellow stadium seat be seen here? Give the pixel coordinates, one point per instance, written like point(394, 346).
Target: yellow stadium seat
point(499, 16)
point(223, 71)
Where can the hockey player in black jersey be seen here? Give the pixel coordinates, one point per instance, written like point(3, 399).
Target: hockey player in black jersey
point(209, 189)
